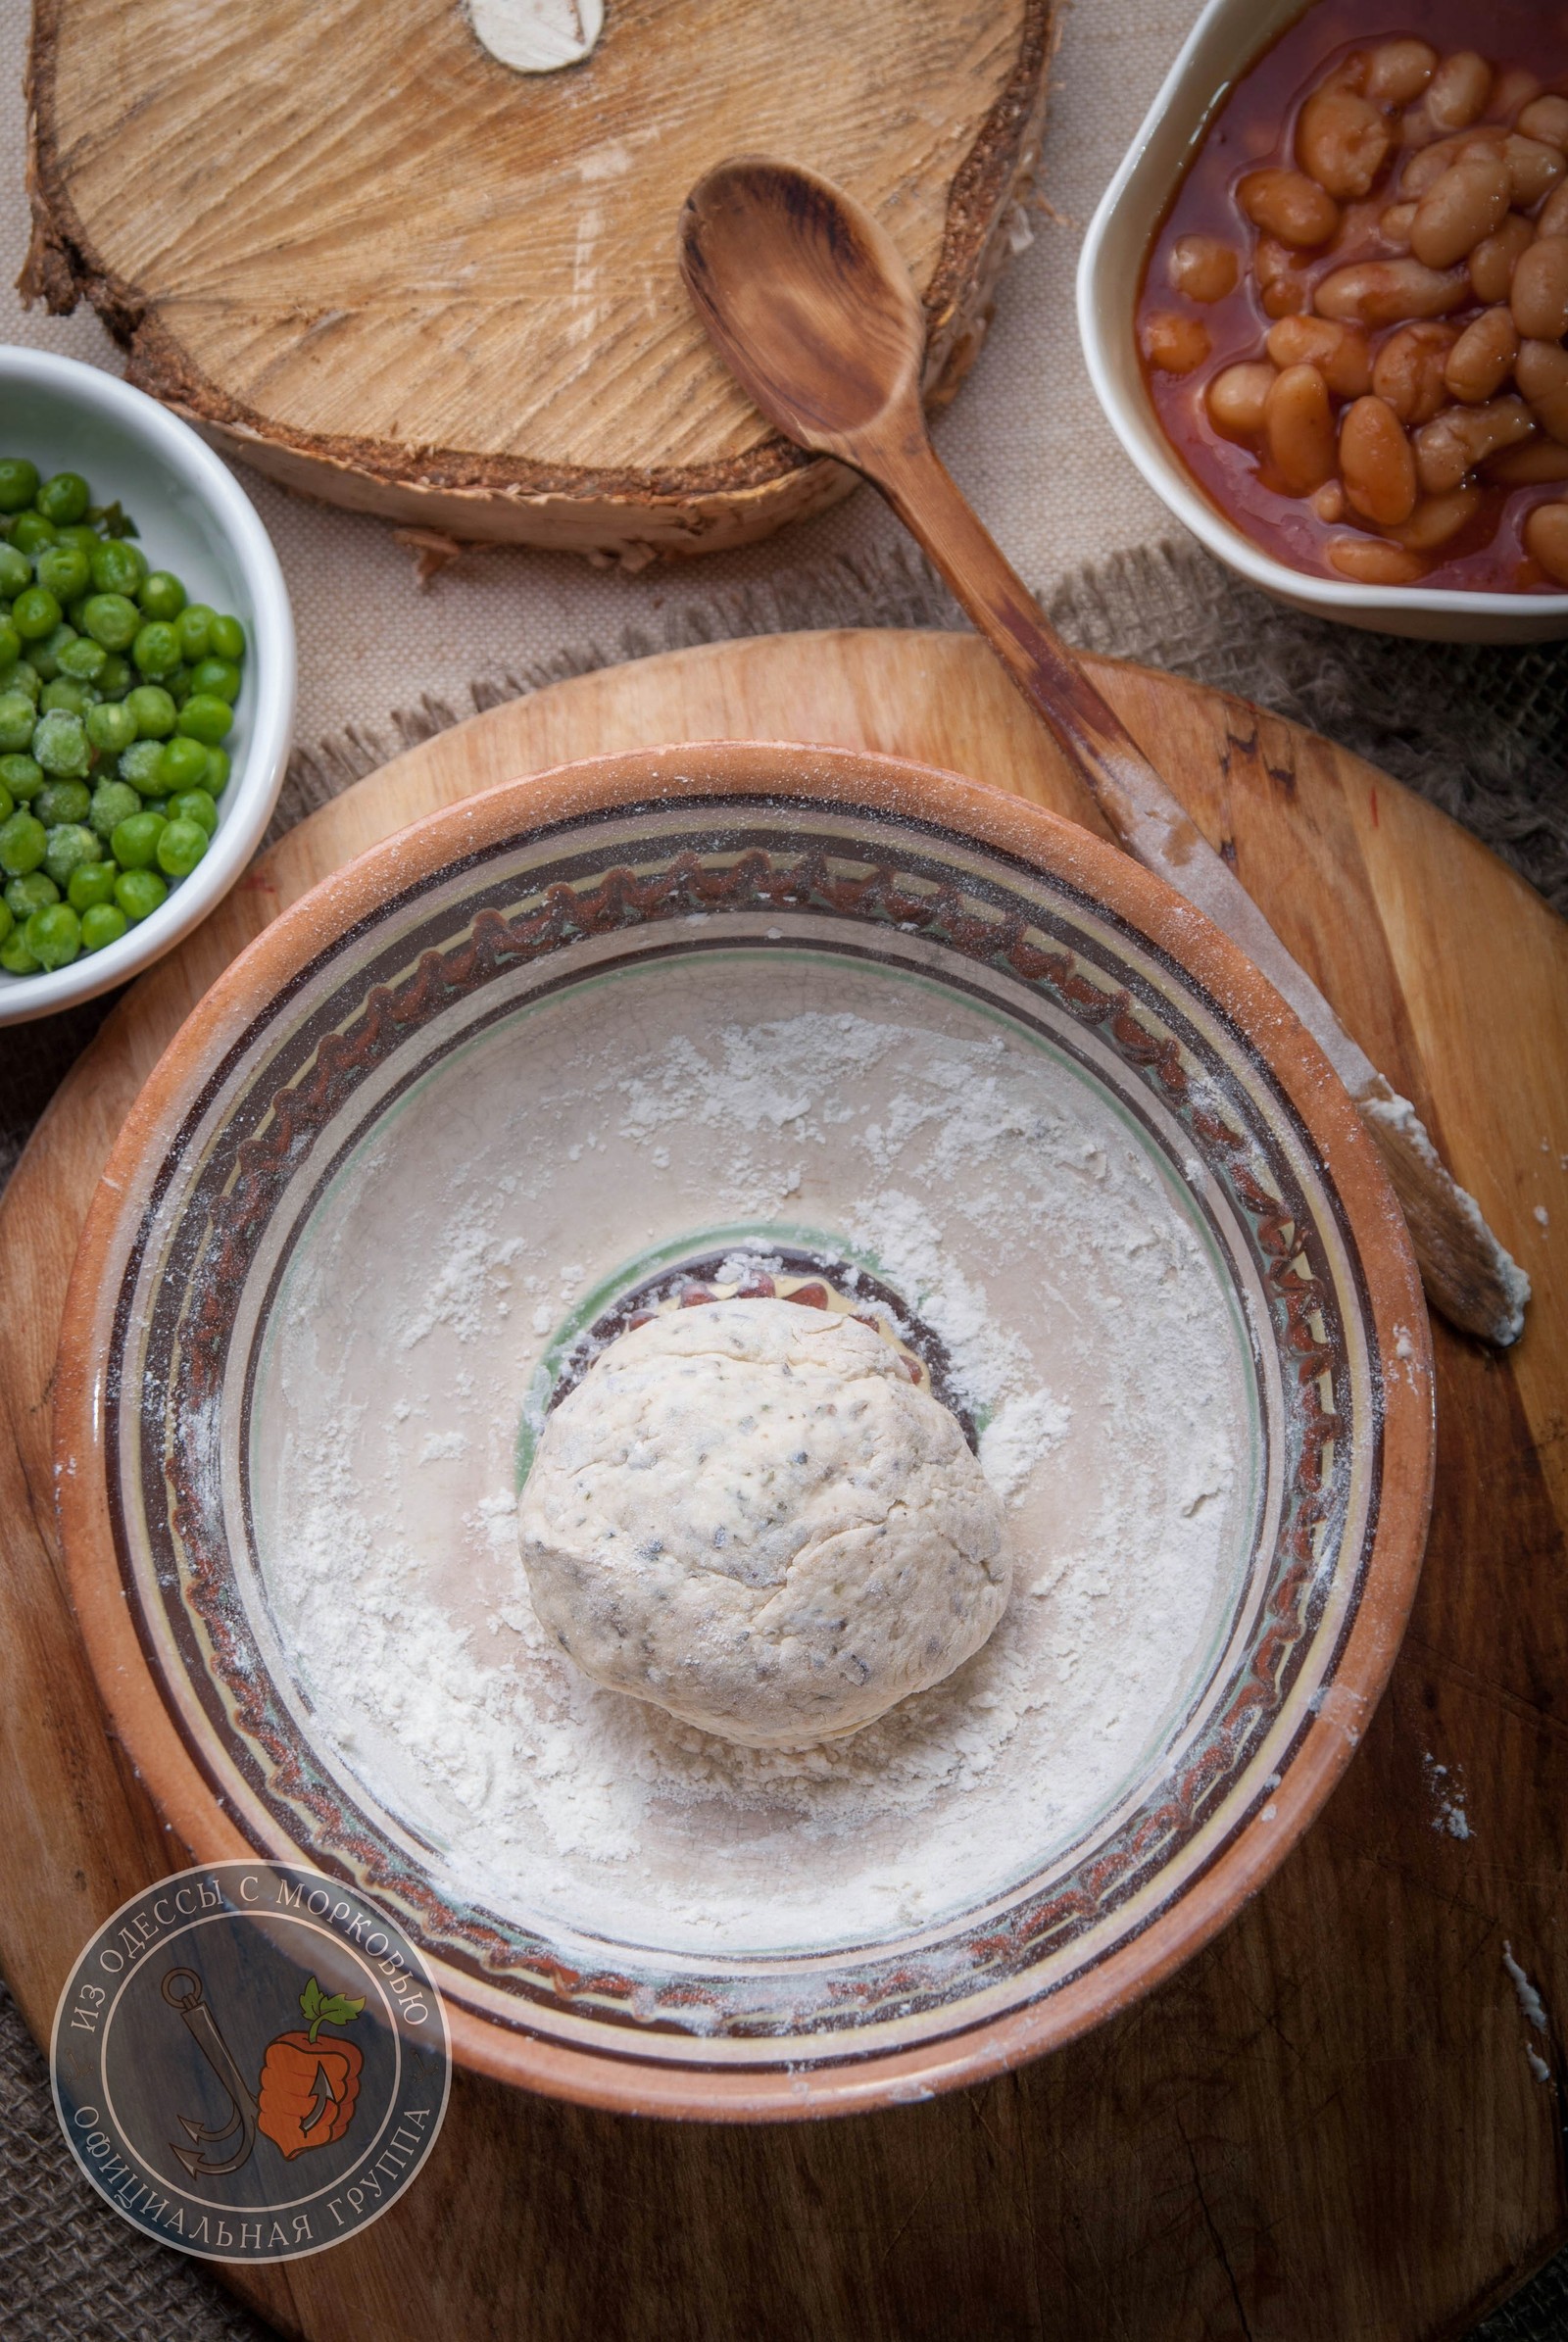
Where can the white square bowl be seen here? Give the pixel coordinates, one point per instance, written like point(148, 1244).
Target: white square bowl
point(1222, 44)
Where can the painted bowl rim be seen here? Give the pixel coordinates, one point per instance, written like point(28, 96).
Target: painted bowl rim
point(1062, 852)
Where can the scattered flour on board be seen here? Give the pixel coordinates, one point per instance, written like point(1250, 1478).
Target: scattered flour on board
point(1087, 1331)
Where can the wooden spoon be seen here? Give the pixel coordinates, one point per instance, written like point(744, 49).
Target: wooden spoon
point(809, 302)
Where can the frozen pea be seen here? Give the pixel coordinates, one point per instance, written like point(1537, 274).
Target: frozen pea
point(23, 776)
point(162, 595)
point(15, 958)
point(45, 655)
point(16, 575)
point(17, 721)
point(111, 619)
point(110, 726)
point(71, 845)
point(64, 570)
point(194, 804)
point(227, 639)
point(83, 660)
point(180, 846)
point(60, 745)
point(207, 718)
point(139, 766)
point(215, 780)
point(183, 763)
point(155, 650)
point(116, 677)
point(23, 845)
point(138, 893)
point(153, 711)
point(36, 613)
point(194, 627)
point(102, 923)
point(64, 498)
point(65, 692)
point(91, 882)
point(133, 841)
point(219, 677)
point(31, 532)
point(54, 936)
point(60, 801)
point(9, 645)
point(34, 891)
point(117, 567)
point(19, 483)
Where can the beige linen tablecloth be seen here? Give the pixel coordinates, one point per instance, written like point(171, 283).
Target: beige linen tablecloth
point(381, 660)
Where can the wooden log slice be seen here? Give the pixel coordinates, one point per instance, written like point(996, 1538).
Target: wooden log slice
point(367, 257)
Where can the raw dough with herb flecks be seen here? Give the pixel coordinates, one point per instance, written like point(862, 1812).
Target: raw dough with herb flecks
point(748, 1514)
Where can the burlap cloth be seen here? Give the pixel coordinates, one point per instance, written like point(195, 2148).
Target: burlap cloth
point(1480, 732)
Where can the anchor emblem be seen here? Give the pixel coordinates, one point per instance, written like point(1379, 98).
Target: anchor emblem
point(309, 2087)
point(182, 1989)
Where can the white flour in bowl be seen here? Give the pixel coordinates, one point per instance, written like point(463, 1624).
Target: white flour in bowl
point(973, 1171)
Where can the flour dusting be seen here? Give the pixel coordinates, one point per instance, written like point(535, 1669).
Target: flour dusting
point(973, 1172)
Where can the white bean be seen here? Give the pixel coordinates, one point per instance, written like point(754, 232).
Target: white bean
point(1542, 373)
point(1341, 141)
point(1376, 463)
point(1371, 562)
point(1299, 424)
point(1202, 268)
point(1460, 438)
point(1547, 539)
point(1289, 204)
point(1437, 518)
point(1482, 359)
point(1342, 354)
point(1539, 294)
point(1408, 370)
point(1546, 119)
point(1237, 399)
point(1458, 91)
point(1399, 70)
point(1496, 258)
point(1387, 292)
point(1470, 201)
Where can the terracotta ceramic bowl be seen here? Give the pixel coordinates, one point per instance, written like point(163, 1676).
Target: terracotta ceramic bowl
point(607, 1034)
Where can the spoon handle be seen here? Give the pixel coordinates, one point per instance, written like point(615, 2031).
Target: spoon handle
point(1468, 1275)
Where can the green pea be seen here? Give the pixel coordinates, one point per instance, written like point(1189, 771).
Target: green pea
point(156, 805)
point(229, 639)
point(180, 848)
point(36, 613)
point(194, 804)
point(23, 845)
point(182, 764)
point(113, 801)
point(64, 570)
point(9, 645)
point(116, 677)
point(16, 573)
point(23, 776)
point(161, 595)
point(60, 802)
point(178, 685)
point(60, 745)
point(111, 619)
point(216, 678)
point(139, 766)
point(153, 711)
point(7, 919)
point(111, 726)
point(15, 958)
point(71, 845)
point(206, 718)
point(133, 843)
point(215, 780)
point(7, 804)
point(91, 882)
point(118, 568)
point(155, 650)
point(54, 936)
point(194, 627)
point(17, 721)
point(138, 893)
point(64, 498)
point(19, 483)
point(34, 891)
point(83, 660)
point(66, 694)
point(102, 923)
point(31, 532)
point(82, 535)
point(45, 655)
point(25, 678)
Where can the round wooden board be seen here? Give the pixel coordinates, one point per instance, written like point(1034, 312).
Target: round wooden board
point(390, 270)
point(1327, 2124)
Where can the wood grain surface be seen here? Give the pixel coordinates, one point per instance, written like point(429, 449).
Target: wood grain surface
point(386, 268)
point(1327, 2124)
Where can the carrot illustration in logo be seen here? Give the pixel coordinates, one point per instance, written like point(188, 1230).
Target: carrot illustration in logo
point(310, 2087)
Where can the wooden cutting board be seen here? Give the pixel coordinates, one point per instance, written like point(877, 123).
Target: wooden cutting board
point(1327, 2124)
point(385, 267)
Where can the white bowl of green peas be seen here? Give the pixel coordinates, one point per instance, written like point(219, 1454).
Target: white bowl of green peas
point(147, 678)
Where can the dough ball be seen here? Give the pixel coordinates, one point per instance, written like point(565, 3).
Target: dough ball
point(748, 1514)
